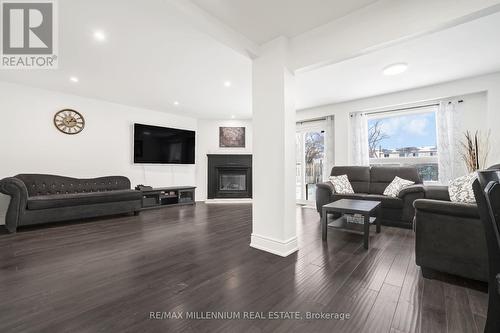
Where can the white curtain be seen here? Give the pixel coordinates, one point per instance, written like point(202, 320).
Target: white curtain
point(330, 146)
point(359, 139)
point(448, 136)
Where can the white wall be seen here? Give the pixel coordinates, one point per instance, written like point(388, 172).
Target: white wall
point(208, 143)
point(481, 109)
point(30, 143)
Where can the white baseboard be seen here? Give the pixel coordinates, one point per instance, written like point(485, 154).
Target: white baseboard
point(274, 246)
point(227, 201)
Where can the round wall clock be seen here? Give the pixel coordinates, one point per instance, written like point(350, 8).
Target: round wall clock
point(69, 121)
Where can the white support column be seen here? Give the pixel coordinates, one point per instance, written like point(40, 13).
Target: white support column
point(274, 228)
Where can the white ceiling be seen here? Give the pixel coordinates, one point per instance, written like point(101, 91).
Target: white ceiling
point(264, 20)
point(151, 58)
point(462, 51)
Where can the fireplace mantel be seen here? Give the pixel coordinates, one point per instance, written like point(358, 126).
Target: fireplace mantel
point(229, 176)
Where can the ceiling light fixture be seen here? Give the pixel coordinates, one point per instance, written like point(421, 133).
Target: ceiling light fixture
point(99, 36)
point(176, 103)
point(233, 116)
point(395, 69)
point(73, 79)
point(227, 84)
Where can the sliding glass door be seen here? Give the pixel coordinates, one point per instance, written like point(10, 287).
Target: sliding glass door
point(310, 155)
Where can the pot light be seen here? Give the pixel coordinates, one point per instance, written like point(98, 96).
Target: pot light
point(227, 84)
point(74, 79)
point(233, 116)
point(395, 69)
point(99, 36)
point(176, 103)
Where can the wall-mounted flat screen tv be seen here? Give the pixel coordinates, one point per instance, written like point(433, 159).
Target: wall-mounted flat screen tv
point(162, 145)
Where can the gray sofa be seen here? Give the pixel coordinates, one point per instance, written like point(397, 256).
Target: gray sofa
point(369, 183)
point(38, 198)
point(449, 236)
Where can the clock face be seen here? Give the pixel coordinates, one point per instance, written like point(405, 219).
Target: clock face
point(69, 121)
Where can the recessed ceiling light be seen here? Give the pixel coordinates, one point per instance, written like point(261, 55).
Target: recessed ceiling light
point(176, 103)
point(99, 36)
point(233, 116)
point(73, 79)
point(227, 83)
point(395, 69)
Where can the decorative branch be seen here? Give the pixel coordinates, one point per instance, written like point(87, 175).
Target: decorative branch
point(474, 150)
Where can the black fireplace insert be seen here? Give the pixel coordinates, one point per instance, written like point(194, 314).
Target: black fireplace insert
point(229, 176)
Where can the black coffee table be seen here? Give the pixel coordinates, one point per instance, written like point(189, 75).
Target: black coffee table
point(350, 206)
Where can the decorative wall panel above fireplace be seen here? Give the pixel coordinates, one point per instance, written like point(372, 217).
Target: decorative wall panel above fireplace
point(229, 176)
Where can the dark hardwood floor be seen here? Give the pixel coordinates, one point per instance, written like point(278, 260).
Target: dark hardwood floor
point(107, 275)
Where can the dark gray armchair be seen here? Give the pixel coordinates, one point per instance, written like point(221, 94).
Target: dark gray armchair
point(449, 236)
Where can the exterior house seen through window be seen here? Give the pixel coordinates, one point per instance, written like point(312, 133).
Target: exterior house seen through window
point(405, 139)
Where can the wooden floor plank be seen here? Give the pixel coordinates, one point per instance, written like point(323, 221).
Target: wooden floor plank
point(459, 316)
point(433, 317)
point(382, 312)
point(478, 302)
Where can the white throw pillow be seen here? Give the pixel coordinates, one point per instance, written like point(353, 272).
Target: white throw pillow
point(460, 189)
point(397, 184)
point(341, 184)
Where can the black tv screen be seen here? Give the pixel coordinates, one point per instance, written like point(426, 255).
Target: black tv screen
point(153, 144)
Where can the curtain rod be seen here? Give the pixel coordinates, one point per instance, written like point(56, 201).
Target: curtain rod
point(409, 108)
point(311, 120)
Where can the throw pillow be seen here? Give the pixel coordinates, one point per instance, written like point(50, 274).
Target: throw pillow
point(393, 189)
point(460, 189)
point(341, 184)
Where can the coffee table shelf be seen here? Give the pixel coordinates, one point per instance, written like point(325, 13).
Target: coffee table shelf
point(366, 208)
point(342, 224)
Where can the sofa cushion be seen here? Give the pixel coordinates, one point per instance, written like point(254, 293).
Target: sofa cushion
point(78, 199)
point(387, 202)
point(396, 186)
point(382, 176)
point(359, 176)
point(460, 189)
point(437, 192)
point(341, 184)
point(41, 184)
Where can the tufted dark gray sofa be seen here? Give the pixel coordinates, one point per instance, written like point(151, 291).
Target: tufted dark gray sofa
point(39, 198)
point(369, 183)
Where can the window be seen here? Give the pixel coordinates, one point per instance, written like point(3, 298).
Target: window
point(396, 138)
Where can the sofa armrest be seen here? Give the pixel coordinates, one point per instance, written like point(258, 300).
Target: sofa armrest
point(409, 195)
point(326, 186)
point(447, 208)
point(417, 188)
point(437, 192)
point(16, 189)
point(324, 195)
